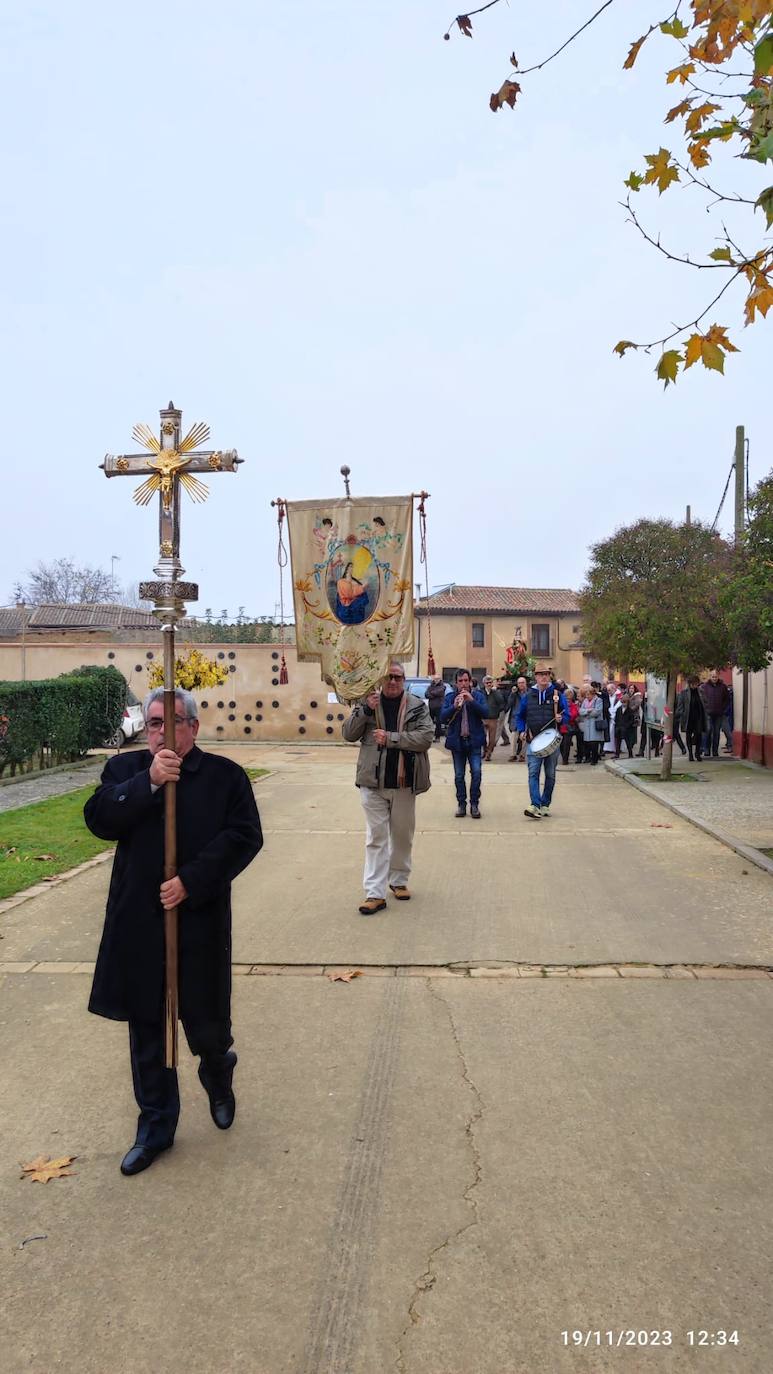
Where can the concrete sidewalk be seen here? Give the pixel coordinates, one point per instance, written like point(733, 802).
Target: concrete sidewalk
point(23, 791)
point(728, 798)
point(436, 1174)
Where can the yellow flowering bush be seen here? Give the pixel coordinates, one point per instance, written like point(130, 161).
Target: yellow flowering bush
point(192, 672)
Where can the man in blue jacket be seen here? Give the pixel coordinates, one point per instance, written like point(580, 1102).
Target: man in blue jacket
point(542, 706)
point(464, 712)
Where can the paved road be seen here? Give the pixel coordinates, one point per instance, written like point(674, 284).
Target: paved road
point(437, 1174)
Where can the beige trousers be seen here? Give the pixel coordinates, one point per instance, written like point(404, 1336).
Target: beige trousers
point(390, 820)
point(491, 736)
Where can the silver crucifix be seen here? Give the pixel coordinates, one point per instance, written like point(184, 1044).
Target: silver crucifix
point(171, 465)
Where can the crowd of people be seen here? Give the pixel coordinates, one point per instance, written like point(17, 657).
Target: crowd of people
point(396, 727)
point(605, 717)
point(220, 834)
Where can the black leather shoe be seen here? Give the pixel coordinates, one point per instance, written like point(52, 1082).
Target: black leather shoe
point(460, 811)
point(222, 1103)
point(475, 812)
point(140, 1157)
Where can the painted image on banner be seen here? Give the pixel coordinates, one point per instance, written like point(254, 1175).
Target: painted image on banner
point(352, 584)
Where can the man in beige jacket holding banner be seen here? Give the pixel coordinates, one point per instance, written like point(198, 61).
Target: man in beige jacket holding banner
point(395, 731)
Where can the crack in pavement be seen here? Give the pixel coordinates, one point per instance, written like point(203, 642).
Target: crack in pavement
point(428, 1278)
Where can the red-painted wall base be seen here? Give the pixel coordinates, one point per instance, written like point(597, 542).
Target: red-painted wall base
point(759, 748)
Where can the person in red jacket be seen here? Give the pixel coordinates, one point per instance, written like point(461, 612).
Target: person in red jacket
point(571, 731)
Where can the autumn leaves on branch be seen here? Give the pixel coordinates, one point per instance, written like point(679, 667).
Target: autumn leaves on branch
point(717, 31)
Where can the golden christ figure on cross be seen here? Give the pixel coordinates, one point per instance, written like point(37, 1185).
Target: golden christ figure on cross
point(173, 463)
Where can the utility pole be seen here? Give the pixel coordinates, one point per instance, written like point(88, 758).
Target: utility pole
point(740, 529)
point(688, 517)
point(740, 483)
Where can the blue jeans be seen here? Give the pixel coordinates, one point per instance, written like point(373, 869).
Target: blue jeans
point(469, 753)
point(534, 763)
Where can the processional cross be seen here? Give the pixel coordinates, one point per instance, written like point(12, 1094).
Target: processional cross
point(171, 464)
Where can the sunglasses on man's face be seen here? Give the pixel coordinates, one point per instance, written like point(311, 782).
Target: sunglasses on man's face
point(395, 677)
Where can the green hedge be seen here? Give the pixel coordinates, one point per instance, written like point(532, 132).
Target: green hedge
point(59, 719)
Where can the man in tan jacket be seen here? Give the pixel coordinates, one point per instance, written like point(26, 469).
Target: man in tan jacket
point(395, 731)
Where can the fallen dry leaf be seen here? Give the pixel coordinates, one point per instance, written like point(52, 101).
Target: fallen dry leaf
point(344, 975)
point(44, 858)
point(40, 1170)
point(660, 825)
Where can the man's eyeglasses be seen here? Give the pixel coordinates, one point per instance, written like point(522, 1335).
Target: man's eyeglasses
point(395, 677)
point(157, 722)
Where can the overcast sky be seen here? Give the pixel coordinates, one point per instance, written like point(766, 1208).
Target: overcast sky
point(302, 223)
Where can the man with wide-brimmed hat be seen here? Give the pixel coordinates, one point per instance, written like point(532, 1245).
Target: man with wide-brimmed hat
point(541, 707)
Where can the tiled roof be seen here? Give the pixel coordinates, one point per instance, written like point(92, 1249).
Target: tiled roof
point(88, 616)
point(455, 600)
point(9, 622)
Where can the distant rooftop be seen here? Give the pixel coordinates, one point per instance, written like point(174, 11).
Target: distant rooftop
point(86, 616)
point(456, 600)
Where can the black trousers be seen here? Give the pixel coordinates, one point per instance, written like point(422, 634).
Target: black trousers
point(566, 743)
point(714, 728)
point(625, 737)
point(694, 738)
point(155, 1086)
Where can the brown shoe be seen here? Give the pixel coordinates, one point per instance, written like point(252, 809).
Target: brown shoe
point(371, 905)
point(401, 893)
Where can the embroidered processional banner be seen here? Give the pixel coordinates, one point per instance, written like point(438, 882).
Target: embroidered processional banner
point(352, 565)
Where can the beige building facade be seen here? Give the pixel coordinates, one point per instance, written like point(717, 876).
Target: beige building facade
point(473, 627)
point(250, 706)
point(756, 743)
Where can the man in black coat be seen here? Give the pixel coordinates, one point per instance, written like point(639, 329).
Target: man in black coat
point(218, 835)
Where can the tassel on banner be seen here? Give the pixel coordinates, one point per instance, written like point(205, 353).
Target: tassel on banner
point(283, 676)
point(431, 669)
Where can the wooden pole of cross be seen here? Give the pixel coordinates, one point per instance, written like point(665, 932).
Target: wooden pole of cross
point(168, 463)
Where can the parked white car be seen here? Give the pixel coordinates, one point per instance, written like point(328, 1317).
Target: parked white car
point(132, 723)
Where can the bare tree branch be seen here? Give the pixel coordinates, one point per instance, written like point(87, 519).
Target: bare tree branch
point(733, 198)
point(672, 257)
point(539, 65)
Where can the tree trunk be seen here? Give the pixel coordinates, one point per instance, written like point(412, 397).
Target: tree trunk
point(668, 728)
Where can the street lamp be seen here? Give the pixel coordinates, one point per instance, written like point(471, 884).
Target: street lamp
point(114, 558)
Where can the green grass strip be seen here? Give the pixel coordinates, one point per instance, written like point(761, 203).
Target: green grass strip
point(54, 828)
point(254, 773)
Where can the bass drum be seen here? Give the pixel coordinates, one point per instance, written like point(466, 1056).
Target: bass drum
point(546, 742)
